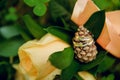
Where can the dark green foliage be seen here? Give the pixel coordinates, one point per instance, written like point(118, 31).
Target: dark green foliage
point(95, 23)
point(9, 31)
point(61, 33)
point(77, 66)
point(62, 59)
point(109, 77)
point(104, 63)
point(58, 10)
point(35, 29)
point(108, 5)
point(39, 6)
point(16, 28)
point(10, 47)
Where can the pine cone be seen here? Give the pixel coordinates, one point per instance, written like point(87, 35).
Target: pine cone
point(84, 45)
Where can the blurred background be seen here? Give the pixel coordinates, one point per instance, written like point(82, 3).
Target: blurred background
point(13, 31)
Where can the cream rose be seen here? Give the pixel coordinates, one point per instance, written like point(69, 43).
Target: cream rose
point(34, 56)
point(34, 64)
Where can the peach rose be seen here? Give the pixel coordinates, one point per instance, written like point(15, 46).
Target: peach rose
point(34, 56)
point(110, 35)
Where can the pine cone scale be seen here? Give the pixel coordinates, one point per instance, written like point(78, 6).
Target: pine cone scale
point(84, 45)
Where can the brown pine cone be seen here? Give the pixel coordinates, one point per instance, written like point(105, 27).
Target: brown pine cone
point(84, 45)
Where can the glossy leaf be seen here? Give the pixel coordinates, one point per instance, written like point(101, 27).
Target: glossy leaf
point(61, 33)
point(67, 4)
point(104, 63)
point(108, 5)
point(109, 77)
point(11, 17)
point(35, 29)
point(69, 72)
point(99, 58)
point(62, 59)
point(76, 66)
point(10, 47)
point(30, 3)
point(58, 10)
point(40, 9)
point(116, 3)
point(95, 23)
point(9, 31)
point(24, 35)
point(12, 10)
point(44, 1)
point(3, 63)
point(78, 77)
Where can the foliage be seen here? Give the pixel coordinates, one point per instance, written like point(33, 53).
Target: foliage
point(107, 59)
point(62, 59)
point(5, 47)
point(95, 23)
point(76, 66)
point(11, 15)
point(52, 16)
point(109, 77)
point(108, 5)
point(61, 33)
point(39, 6)
point(36, 30)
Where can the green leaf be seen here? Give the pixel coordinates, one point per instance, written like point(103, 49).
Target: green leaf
point(40, 9)
point(76, 66)
point(109, 77)
point(30, 3)
point(44, 1)
point(93, 70)
point(58, 10)
point(116, 3)
point(99, 58)
point(67, 4)
point(9, 31)
point(78, 77)
point(95, 23)
point(103, 4)
point(69, 72)
point(62, 59)
point(61, 33)
point(3, 63)
point(105, 63)
point(10, 47)
point(108, 5)
point(103, 78)
point(25, 36)
point(12, 10)
point(35, 29)
point(69, 26)
point(11, 17)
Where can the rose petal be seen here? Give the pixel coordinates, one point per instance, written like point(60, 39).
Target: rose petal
point(109, 38)
point(104, 38)
point(114, 32)
point(86, 75)
point(110, 35)
point(34, 55)
point(82, 11)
